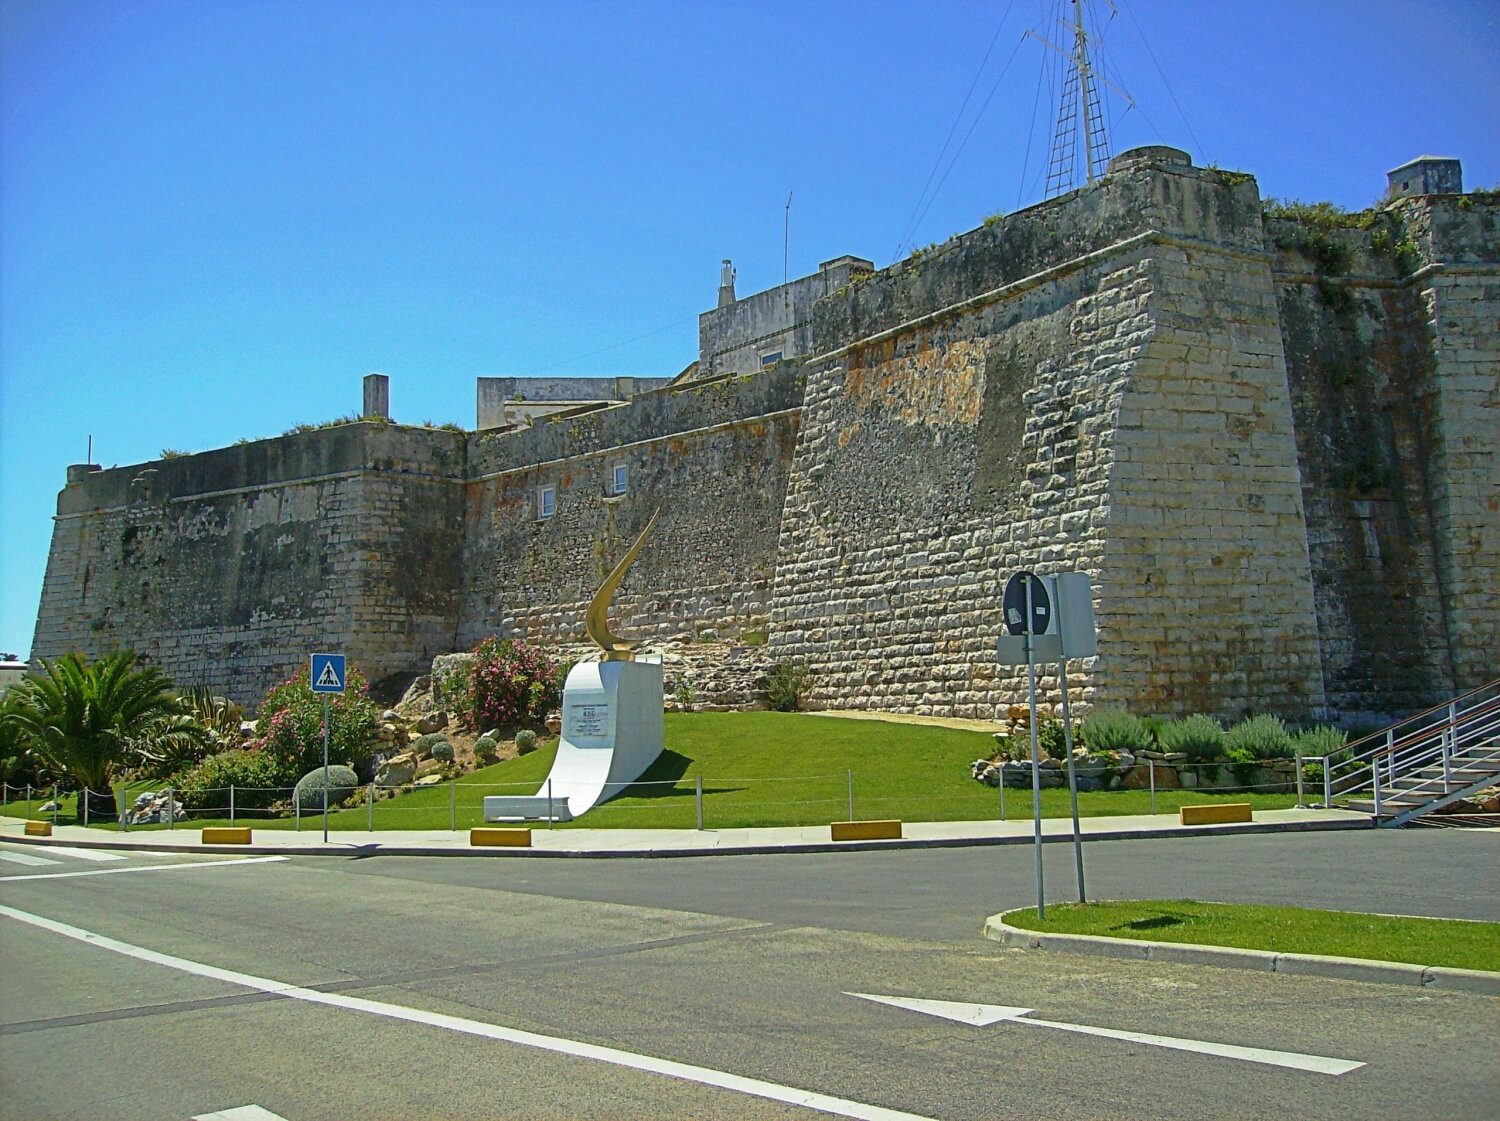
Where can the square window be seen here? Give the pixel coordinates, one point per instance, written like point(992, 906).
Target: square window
point(546, 501)
point(770, 358)
point(619, 481)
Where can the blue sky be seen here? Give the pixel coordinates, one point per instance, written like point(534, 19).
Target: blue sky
point(217, 216)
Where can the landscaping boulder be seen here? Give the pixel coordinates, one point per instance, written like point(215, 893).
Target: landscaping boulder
point(398, 770)
point(432, 722)
point(1139, 778)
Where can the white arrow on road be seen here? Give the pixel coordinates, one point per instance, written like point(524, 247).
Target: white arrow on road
point(982, 1015)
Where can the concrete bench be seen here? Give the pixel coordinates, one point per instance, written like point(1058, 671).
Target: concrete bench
point(500, 838)
point(225, 835)
point(1221, 813)
point(525, 807)
point(865, 830)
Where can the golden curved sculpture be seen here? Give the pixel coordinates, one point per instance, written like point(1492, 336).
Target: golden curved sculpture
point(597, 619)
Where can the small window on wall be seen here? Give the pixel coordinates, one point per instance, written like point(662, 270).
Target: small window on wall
point(619, 479)
point(770, 358)
point(546, 501)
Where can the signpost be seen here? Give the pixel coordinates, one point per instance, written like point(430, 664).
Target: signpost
point(1046, 618)
point(327, 675)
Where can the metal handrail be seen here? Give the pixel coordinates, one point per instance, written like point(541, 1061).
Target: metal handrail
point(1461, 731)
point(1445, 705)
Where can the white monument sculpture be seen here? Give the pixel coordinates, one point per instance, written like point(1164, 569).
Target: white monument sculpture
point(611, 720)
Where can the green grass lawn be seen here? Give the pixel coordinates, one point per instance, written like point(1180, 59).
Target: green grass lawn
point(759, 769)
point(1291, 930)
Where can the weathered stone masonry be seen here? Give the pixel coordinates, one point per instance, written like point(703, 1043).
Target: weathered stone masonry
point(1275, 457)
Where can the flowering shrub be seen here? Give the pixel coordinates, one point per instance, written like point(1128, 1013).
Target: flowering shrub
point(289, 725)
point(510, 683)
point(255, 777)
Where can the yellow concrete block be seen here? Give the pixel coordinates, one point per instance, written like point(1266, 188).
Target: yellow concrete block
point(865, 830)
point(225, 835)
point(1218, 814)
point(500, 838)
point(38, 829)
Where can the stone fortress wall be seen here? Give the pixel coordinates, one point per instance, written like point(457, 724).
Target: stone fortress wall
point(1275, 458)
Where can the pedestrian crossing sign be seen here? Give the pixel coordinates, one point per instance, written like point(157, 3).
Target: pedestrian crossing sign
point(328, 673)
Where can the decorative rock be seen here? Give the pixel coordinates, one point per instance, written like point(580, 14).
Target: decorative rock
point(390, 716)
point(1139, 778)
point(432, 722)
point(429, 780)
point(397, 770)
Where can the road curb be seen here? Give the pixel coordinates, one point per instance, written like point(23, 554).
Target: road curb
point(460, 846)
point(1479, 981)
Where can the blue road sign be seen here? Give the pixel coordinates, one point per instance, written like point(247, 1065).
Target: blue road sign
point(1013, 603)
point(328, 673)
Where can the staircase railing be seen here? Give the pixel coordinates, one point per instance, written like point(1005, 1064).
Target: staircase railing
point(1444, 736)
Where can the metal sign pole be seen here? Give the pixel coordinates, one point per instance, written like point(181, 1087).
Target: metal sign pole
point(325, 768)
point(1062, 681)
point(1036, 758)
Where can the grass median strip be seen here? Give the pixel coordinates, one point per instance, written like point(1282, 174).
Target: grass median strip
point(1455, 943)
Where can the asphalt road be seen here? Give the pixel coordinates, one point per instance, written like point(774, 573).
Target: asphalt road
point(399, 985)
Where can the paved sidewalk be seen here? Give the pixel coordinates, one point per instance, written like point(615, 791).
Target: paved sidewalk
point(575, 842)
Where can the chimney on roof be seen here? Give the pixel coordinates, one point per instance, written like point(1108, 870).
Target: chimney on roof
point(377, 397)
point(726, 283)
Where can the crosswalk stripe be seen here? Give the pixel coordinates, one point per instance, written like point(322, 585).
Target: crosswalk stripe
point(25, 858)
point(85, 854)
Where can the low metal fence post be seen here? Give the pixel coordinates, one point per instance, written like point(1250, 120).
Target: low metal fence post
point(452, 806)
point(549, 803)
point(1328, 782)
point(85, 796)
point(121, 825)
point(55, 805)
point(370, 809)
point(1001, 785)
point(171, 809)
point(1375, 782)
point(1301, 800)
point(698, 798)
point(851, 795)
point(231, 803)
point(1151, 768)
point(296, 812)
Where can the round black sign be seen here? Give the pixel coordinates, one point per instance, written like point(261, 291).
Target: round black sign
point(1014, 604)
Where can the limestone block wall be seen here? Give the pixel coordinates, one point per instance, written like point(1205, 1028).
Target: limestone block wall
point(1358, 356)
point(712, 457)
point(1096, 384)
point(230, 567)
point(1458, 290)
point(1205, 589)
point(1391, 362)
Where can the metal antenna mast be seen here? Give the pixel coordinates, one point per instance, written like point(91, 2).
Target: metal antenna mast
point(1080, 117)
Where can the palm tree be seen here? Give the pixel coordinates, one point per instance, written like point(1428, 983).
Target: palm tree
point(89, 720)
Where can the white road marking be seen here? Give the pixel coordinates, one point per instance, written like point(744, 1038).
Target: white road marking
point(85, 854)
point(141, 868)
point(985, 1014)
point(703, 1076)
point(241, 1113)
point(25, 858)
